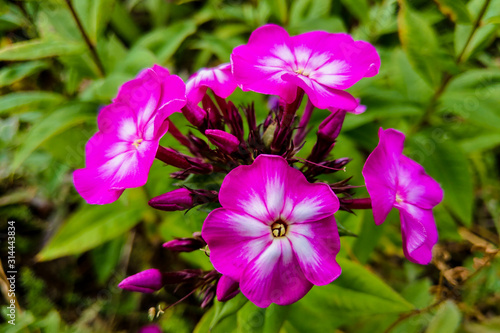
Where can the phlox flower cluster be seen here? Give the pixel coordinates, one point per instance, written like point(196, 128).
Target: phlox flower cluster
point(273, 234)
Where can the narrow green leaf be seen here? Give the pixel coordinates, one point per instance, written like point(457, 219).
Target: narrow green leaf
point(448, 165)
point(19, 102)
point(165, 41)
point(226, 309)
point(13, 73)
point(456, 10)
point(91, 226)
point(447, 319)
point(483, 35)
point(420, 43)
point(56, 122)
point(100, 16)
point(39, 48)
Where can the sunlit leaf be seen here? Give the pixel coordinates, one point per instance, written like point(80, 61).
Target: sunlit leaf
point(447, 319)
point(91, 226)
point(39, 48)
point(18, 102)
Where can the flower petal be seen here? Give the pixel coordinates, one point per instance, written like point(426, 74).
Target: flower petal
point(92, 189)
point(416, 186)
point(258, 65)
point(274, 277)
point(419, 233)
point(270, 189)
point(316, 245)
point(219, 79)
point(322, 96)
point(381, 172)
point(235, 239)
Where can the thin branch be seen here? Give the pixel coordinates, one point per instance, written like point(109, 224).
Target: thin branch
point(90, 46)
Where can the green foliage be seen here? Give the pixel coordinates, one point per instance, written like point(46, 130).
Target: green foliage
point(439, 83)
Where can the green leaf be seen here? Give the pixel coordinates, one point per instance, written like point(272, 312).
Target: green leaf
point(359, 8)
point(13, 73)
point(100, 15)
point(456, 10)
point(39, 48)
point(164, 42)
point(482, 36)
point(447, 319)
point(226, 309)
point(56, 122)
point(356, 293)
point(18, 102)
point(420, 43)
point(447, 164)
point(91, 226)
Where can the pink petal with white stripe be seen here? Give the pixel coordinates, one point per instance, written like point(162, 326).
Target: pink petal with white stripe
point(219, 79)
point(235, 239)
point(316, 245)
point(275, 276)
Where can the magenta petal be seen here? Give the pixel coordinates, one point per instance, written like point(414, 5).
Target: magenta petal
point(219, 79)
point(147, 281)
point(274, 277)
point(227, 288)
point(419, 233)
point(322, 96)
point(92, 189)
point(235, 239)
point(270, 188)
point(381, 173)
point(258, 65)
point(316, 245)
point(416, 186)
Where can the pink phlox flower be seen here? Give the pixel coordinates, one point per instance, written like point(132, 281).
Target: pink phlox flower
point(219, 79)
point(322, 64)
point(394, 180)
point(121, 153)
point(275, 233)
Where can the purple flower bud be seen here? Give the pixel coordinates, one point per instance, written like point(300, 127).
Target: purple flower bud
point(186, 275)
point(180, 199)
point(185, 244)
point(208, 296)
point(150, 329)
point(147, 281)
point(330, 128)
point(227, 288)
point(172, 157)
point(225, 141)
point(194, 114)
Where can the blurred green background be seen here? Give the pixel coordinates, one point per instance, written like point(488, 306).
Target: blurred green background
point(439, 83)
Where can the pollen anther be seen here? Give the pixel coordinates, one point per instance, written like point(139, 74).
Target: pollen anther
point(136, 143)
point(278, 229)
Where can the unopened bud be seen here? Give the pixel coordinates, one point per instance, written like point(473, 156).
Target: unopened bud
point(227, 288)
point(330, 128)
point(185, 244)
point(147, 281)
point(172, 157)
point(194, 114)
point(186, 275)
point(225, 141)
point(180, 199)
